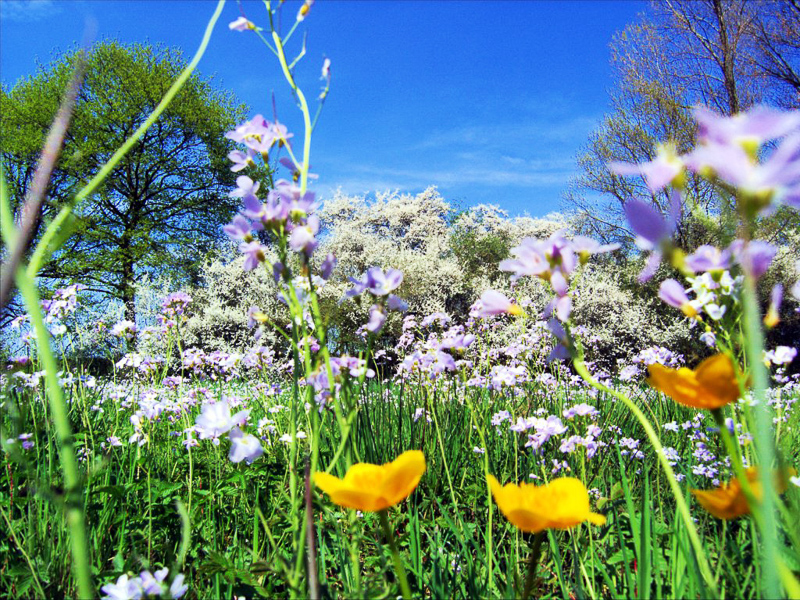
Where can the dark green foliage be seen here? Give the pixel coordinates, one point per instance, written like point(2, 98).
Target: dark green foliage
point(162, 207)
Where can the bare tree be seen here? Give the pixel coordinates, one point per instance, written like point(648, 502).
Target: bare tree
point(725, 54)
point(776, 31)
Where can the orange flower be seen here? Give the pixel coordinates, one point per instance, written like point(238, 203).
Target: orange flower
point(371, 488)
point(711, 385)
point(728, 500)
point(561, 504)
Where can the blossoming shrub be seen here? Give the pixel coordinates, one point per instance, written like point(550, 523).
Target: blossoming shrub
point(619, 323)
point(218, 319)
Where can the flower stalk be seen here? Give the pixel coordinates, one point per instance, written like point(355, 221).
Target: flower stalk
point(533, 562)
point(399, 569)
point(683, 508)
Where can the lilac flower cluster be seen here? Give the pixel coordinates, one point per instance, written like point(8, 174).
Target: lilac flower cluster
point(380, 286)
point(343, 369)
point(144, 366)
point(63, 303)
point(554, 260)
point(659, 355)
point(146, 584)
point(217, 365)
point(173, 308)
point(287, 213)
point(728, 154)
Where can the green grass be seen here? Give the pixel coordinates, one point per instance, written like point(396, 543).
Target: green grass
point(238, 537)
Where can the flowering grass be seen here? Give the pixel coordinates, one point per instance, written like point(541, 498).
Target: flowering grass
point(238, 515)
point(192, 474)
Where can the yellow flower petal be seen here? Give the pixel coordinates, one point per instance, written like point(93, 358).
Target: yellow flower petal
point(327, 482)
point(365, 476)
point(717, 374)
point(561, 504)
point(403, 475)
point(526, 520)
point(711, 385)
point(371, 488)
point(728, 501)
point(596, 519)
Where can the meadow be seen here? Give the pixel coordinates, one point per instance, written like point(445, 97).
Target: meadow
point(479, 455)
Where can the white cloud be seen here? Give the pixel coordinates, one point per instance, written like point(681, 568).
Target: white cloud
point(28, 10)
point(369, 178)
point(555, 131)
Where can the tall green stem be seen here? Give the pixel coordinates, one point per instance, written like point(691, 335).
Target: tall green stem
point(682, 507)
point(765, 441)
point(533, 562)
point(398, 562)
point(60, 414)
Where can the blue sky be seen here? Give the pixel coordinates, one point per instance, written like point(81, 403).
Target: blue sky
point(489, 101)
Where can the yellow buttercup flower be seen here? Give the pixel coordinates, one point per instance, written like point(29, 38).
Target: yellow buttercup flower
point(561, 504)
point(728, 500)
point(371, 488)
point(711, 385)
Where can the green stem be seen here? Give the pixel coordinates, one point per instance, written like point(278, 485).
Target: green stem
point(536, 550)
point(444, 457)
point(682, 507)
point(765, 442)
point(484, 445)
point(303, 107)
point(398, 563)
point(60, 413)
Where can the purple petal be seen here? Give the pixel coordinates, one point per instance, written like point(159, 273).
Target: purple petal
point(646, 221)
point(672, 292)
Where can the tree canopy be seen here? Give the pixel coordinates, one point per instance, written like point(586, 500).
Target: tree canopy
point(725, 54)
point(162, 207)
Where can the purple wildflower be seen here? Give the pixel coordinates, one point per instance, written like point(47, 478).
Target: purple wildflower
point(581, 410)
point(152, 583)
point(756, 126)
point(755, 257)
point(494, 303)
point(281, 133)
point(709, 259)
point(253, 254)
point(241, 24)
point(653, 230)
point(376, 282)
point(302, 238)
point(238, 229)
point(245, 187)
point(244, 446)
point(123, 589)
point(327, 266)
point(585, 247)
point(241, 160)
point(376, 319)
point(672, 292)
point(215, 419)
point(258, 126)
point(540, 258)
point(664, 169)
point(394, 302)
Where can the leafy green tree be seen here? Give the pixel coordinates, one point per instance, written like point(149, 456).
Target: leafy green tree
point(162, 208)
